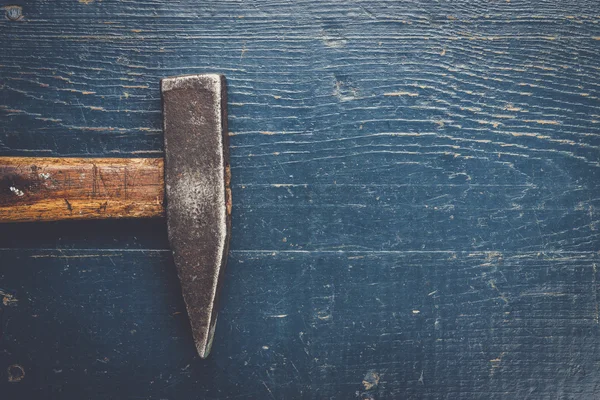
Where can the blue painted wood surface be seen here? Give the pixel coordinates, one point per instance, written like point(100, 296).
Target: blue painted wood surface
point(415, 190)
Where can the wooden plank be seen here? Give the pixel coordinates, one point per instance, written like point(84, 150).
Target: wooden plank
point(431, 325)
point(415, 216)
point(519, 80)
point(50, 189)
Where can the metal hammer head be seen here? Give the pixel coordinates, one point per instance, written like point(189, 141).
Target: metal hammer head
point(197, 178)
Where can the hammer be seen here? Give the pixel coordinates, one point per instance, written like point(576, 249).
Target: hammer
point(190, 187)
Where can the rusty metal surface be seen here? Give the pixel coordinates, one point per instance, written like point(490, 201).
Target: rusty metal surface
point(197, 192)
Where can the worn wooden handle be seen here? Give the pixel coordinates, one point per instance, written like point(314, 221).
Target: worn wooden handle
point(50, 189)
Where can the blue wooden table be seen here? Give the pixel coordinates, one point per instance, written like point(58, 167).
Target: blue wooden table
point(415, 184)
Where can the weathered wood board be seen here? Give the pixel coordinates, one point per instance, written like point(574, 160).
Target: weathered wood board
point(415, 186)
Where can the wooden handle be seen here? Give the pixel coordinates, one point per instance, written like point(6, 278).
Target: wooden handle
point(50, 189)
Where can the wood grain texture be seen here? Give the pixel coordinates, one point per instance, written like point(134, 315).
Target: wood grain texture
point(51, 189)
point(422, 325)
point(387, 157)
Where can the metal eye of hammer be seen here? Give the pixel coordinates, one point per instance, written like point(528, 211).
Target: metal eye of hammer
point(191, 187)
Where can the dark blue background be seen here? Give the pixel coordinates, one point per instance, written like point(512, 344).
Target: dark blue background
point(415, 189)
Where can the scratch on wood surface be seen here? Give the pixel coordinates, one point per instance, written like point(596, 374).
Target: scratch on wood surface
point(543, 121)
point(543, 294)
point(8, 299)
point(595, 292)
point(492, 284)
point(371, 380)
point(496, 363)
point(402, 93)
point(268, 389)
point(75, 255)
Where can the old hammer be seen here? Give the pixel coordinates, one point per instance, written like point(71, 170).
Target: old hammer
point(191, 187)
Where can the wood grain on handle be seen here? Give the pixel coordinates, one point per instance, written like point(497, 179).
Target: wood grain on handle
point(50, 189)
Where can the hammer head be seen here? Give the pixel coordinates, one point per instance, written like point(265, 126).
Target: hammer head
point(197, 178)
